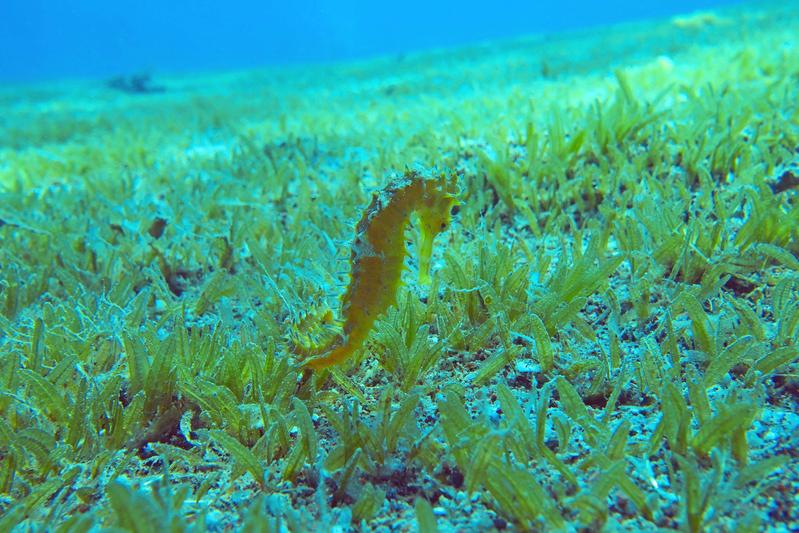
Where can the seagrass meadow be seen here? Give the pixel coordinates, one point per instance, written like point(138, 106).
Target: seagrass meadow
point(608, 340)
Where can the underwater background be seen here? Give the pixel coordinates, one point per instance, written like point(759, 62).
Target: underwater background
point(338, 266)
point(43, 39)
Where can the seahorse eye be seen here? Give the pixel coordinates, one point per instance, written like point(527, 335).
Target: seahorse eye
point(455, 209)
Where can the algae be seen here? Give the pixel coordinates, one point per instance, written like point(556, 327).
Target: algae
point(608, 342)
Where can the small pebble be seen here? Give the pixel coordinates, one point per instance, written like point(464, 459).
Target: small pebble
point(439, 511)
point(213, 519)
point(527, 366)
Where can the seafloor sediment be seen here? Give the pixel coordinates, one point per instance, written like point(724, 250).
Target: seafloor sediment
point(608, 341)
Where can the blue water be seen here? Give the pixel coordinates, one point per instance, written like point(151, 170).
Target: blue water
point(41, 39)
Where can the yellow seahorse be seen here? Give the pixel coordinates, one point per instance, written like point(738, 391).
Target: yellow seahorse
point(378, 255)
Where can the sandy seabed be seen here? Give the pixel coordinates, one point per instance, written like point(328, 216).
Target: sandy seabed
point(608, 341)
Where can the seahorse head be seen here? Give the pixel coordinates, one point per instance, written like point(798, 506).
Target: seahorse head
point(435, 213)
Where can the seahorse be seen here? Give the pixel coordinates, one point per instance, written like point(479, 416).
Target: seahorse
point(378, 255)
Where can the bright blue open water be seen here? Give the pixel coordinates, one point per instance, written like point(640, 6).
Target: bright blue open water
point(41, 39)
